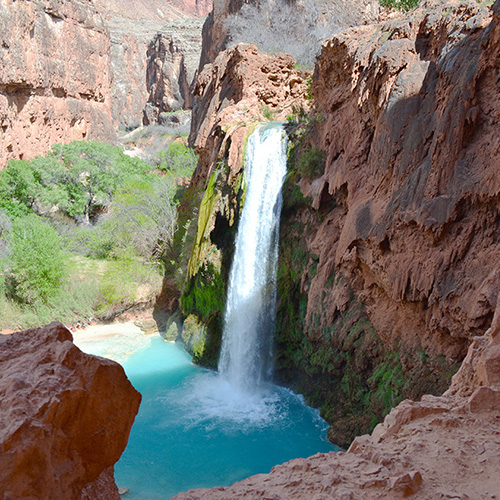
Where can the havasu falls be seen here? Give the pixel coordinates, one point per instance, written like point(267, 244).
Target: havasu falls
point(197, 428)
point(380, 304)
point(246, 354)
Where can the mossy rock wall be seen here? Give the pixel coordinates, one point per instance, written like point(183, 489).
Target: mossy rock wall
point(326, 346)
point(204, 294)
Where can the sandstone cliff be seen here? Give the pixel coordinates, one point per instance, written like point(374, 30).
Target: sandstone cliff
point(440, 447)
point(54, 76)
point(133, 27)
point(172, 60)
point(65, 418)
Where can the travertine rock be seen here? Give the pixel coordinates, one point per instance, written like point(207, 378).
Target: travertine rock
point(440, 447)
point(411, 133)
point(238, 88)
point(65, 417)
point(54, 76)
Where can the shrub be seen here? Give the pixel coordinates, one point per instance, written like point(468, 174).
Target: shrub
point(178, 159)
point(404, 5)
point(37, 262)
point(78, 178)
point(311, 163)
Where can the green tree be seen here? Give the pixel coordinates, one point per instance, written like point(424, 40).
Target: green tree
point(92, 173)
point(178, 159)
point(37, 262)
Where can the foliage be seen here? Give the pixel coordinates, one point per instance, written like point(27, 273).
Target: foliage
point(37, 263)
point(79, 179)
point(403, 5)
point(120, 284)
point(311, 163)
point(142, 216)
point(266, 112)
point(178, 159)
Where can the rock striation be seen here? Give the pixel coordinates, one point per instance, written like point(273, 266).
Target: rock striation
point(54, 76)
point(65, 417)
point(409, 132)
point(439, 447)
point(172, 60)
point(136, 51)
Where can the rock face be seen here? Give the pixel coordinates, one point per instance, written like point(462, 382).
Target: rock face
point(440, 447)
point(172, 59)
point(135, 51)
point(238, 88)
point(325, 16)
point(410, 136)
point(54, 76)
point(395, 238)
point(65, 417)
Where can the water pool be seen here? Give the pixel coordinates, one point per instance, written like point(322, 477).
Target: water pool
point(193, 430)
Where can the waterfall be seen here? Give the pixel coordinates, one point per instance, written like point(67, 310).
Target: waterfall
point(246, 353)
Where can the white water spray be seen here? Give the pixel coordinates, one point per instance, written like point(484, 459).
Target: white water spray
point(246, 354)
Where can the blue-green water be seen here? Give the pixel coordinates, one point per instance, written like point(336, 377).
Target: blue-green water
point(193, 431)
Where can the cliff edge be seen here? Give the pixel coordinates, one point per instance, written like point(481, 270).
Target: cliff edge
point(65, 418)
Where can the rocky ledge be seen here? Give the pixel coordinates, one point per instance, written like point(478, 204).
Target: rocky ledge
point(65, 418)
point(439, 447)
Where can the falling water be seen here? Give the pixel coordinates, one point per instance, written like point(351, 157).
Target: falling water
point(246, 355)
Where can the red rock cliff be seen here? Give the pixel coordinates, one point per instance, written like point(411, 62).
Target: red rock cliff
point(410, 129)
point(65, 418)
point(54, 76)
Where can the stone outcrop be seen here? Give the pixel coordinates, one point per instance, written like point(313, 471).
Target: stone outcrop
point(54, 76)
point(172, 59)
point(440, 447)
point(240, 87)
point(410, 126)
point(133, 27)
point(65, 418)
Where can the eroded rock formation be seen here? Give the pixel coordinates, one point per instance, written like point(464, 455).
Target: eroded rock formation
point(54, 76)
point(440, 447)
point(391, 211)
point(133, 26)
point(172, 59)
point(65, 417)
point(396, 237)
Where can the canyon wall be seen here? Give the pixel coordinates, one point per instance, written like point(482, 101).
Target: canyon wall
point(135, 51)
point(80, 69)
point(389, 235)
point(65, 417)
point(54, 76)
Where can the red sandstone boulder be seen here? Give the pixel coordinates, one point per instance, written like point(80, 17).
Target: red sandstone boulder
point(65, 417)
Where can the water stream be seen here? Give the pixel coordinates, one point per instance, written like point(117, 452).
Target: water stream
point(198, 428)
